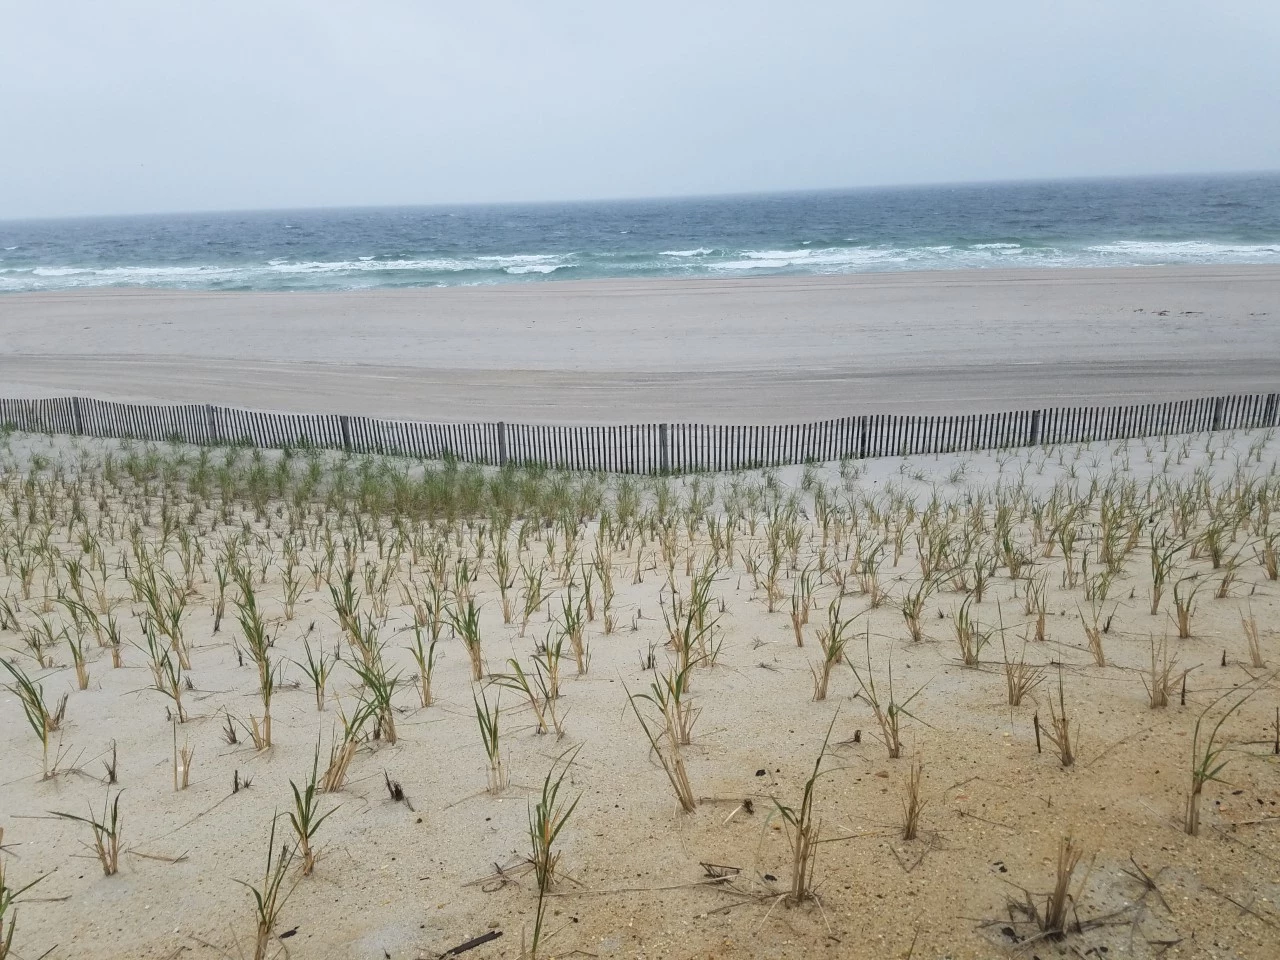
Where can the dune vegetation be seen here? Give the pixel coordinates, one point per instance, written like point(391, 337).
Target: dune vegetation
point(261, 703)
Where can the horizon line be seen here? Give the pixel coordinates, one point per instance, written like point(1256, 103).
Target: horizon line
point(648, 198)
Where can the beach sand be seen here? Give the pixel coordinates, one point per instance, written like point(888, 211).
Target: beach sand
point(410, 881)
point(762, 350)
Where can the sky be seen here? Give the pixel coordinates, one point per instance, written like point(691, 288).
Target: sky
point(140, 106)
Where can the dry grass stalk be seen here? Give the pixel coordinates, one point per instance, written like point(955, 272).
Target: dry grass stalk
point(912, 802)
point(969, 635)
point(1184, 604)
point(1160, 680)
point(1253, 641)
point(913, 608)
point(1059, 730)
point(106, 832)
point(342, 751)
point(181, 762)
point(1093, 634)
point(1059, 902)
point(1020, 677)
point(1037, 603)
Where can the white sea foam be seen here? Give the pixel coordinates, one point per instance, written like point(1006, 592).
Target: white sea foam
point(367, 271)
point(818, 260)
point(275, 271)
point(535, 268)
point(1197, 251)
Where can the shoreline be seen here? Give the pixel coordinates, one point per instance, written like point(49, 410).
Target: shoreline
point(742, 350)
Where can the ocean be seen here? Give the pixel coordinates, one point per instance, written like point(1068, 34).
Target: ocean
point(1049, 224)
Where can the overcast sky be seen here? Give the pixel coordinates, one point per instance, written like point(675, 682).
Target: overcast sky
point(163, 105)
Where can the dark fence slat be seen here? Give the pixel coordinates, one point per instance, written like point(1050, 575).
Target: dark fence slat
point(643, 448)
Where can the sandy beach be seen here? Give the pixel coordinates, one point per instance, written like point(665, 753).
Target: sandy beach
point(1002, 549)
point(762, 350)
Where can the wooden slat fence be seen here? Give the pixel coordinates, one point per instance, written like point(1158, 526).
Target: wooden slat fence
point(644, 448)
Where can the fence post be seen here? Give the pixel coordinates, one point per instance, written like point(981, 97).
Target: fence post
point(502, 443)
point(76, 416)
point(1218, 404)
point(664, 448)
point(211, 423)
point(1035, 429)
point(345, 423)
point(862, 438)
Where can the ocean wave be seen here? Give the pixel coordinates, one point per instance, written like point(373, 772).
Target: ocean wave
point(278, 272)
point(535, 268)
point(821, 258)
point(1198, 251)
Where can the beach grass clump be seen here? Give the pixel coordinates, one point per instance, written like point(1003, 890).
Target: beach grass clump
point(669, 694)
point(271, 894)
point(970, 637)
point(305, 817)
point(1207, 760)
point(167, 674)
point(572, 623)
point(42, 721)
point(804, 830)
point(1020, 678)
point(465, 619)
point(423, 650)
point(1037, 605)
point(1164, 554)
point(913, 801)
point(488, 717)
point(534, 592)
point(106, 830)
point(9, 897)
point(1059, 732)
point(1058, 904)
point(889, 711)
point(316, 666)
point(665, 743)
point(547, 819)
point(912, 606)
point(833, 638)
point(534, 692)
point(379, 684)
point(1160, 680)
point(343, 748)
point(1184, 595)
point(1093, 630)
